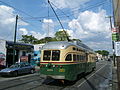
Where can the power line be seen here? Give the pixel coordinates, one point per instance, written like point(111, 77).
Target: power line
point(34, 26)
point(16, 8)
point(7, 12)
point(62, 15)
point(69, 15)
point(59, 20)
point(61, 11)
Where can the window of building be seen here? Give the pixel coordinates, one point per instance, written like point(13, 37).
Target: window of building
point(68, 57)
point(47, 54)
point(55, 55)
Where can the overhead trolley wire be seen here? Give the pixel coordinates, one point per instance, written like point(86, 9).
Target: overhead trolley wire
point(8, 12)
point(34, 26)
point(68, 15)
point(61, 11)
point(16, 8)
point(21, 12)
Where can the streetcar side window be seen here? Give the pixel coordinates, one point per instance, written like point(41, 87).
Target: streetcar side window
point(78, 57)
point(68, 57)
point(74, 57)
point(55, 55)
point(47, 54)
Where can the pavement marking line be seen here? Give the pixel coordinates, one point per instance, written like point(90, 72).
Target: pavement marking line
point(91, 75)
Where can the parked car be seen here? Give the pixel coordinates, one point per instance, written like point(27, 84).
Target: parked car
point(18, 68)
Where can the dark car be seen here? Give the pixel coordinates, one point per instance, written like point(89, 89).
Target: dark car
point(18, 68)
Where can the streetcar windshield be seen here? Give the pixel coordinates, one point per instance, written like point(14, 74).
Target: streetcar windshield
point(47, 54)
point(53, 55)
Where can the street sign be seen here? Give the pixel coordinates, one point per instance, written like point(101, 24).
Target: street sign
point(117, 48)
point(115, 30)
point(115, 33)
point(115, 36)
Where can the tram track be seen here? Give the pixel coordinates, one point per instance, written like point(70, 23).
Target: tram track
point(31, 83)
point(6, 85)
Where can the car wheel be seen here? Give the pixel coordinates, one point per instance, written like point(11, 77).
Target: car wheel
point(15, 73)
point(31, 71)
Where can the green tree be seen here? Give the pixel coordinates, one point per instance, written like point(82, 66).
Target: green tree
point(61, 36)
point(103, 52)
point(28, 39)
point(46, 39)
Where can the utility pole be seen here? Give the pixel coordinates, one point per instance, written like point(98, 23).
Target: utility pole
point(15, 39)
point(113, 47)
point(116, 13)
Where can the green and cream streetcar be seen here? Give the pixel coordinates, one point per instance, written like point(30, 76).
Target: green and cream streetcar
point(65, 60)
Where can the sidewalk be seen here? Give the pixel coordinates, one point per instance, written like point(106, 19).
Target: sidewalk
point(114, 78)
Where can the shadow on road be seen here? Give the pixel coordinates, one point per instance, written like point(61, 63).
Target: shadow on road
point(90, 84)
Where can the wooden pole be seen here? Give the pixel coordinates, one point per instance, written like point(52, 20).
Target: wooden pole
point(15, 39)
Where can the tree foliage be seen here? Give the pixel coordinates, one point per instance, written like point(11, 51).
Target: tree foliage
point(103, 52)
point(46, 39)
point(59, 36)
point(28, 39)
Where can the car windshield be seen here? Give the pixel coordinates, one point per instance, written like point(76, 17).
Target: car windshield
point(14, 66)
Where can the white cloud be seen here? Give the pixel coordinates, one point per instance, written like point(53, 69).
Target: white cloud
point(48, 27)
point(37, 34)
point(7, 25)
point(23, 31)
point(7, 22)
point(69, 3)
point(100, 45)
point(89, 23)
point(47, 21)
point(92, 27)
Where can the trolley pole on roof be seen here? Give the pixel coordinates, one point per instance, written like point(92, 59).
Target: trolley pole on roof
point(15, 39)
point(59, 20)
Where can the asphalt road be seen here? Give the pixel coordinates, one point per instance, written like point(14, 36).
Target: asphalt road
point(97, 80)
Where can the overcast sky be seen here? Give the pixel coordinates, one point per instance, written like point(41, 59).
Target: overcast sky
point(83, 19)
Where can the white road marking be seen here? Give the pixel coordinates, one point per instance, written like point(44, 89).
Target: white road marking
point(91, 75)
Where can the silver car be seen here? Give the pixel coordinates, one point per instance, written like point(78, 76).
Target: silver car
point(18, 68)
